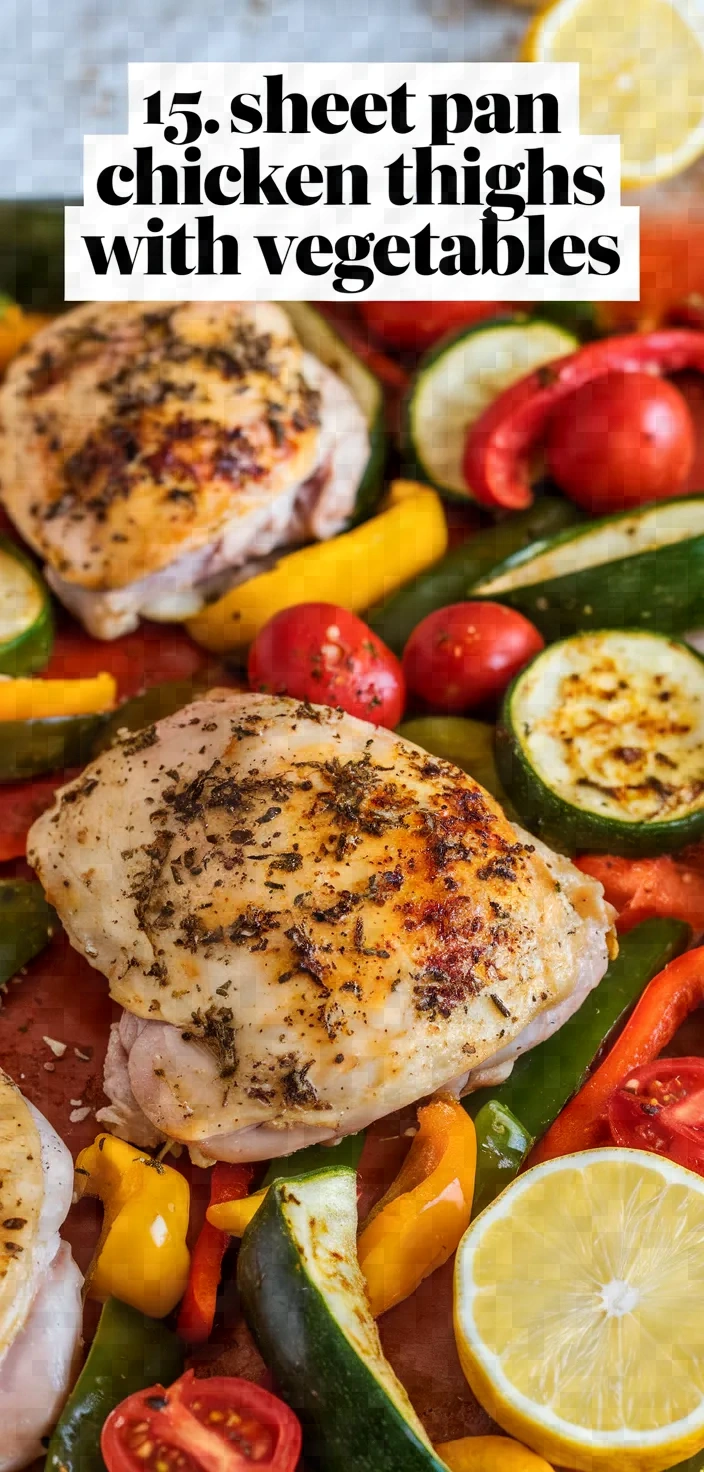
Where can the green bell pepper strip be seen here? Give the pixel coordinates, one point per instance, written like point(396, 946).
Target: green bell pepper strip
point(152, 705)
point(27, 924)
point(502, 1146)
point(316, 1157)
point(452, 578)
point(544, 1079)
point(129, 1353)
point(48, 744)
point(581, 318)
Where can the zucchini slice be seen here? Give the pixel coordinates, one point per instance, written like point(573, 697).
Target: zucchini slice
point(305, 1301)
point(318, 336)
point(459, 378)
point(449, 579)
point(643, 567)
point(600, 743)
point(26, 625)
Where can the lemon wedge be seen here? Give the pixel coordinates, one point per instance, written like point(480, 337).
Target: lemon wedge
point(578, 1311)
point(641, 76)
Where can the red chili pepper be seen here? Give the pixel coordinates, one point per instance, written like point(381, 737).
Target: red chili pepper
point(195, 1320)
point(666, 1002)
point(500, 442)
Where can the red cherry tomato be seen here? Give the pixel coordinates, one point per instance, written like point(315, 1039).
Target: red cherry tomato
point(462, 656)
point(660, 1107)
point(416, 325)
point(198, 1425)
point(621, 440)
point(322, 653)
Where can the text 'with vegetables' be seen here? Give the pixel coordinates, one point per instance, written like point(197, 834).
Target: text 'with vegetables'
point(386, 181)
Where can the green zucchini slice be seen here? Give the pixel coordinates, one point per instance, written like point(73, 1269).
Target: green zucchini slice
point(600, 743)
point(643, 567)
point(459, 378)
point(26, 626)
point(305, 1301)
point(318, 336)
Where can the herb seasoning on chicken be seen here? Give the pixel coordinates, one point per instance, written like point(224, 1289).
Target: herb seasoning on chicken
point(309, 923)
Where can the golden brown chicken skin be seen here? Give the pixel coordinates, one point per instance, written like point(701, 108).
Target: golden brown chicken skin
point(144, 448)
point(309, 921)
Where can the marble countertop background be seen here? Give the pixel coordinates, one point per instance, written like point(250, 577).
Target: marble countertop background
point(63, 62)
point(63, 65)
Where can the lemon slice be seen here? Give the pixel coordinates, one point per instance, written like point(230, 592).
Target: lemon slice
point(578, 1311)
point(641, 76)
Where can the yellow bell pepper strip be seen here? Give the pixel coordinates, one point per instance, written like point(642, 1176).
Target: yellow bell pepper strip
point(353, 570)
point(233, 1216)
point(420, 1221)
point(141, 1257)
point(490, 1454)
point(25, 699)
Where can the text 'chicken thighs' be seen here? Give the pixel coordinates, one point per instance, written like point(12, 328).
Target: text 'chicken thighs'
point(309, 921)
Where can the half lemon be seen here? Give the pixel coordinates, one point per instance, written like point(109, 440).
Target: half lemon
point(641, 76)
point(578, 1311)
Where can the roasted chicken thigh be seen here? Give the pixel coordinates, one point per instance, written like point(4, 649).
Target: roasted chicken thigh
point(40, 1286)
point(145, 452)
point(309, 923)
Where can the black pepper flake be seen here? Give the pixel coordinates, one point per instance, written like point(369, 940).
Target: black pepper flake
point(289, 862)
point(503, 1009)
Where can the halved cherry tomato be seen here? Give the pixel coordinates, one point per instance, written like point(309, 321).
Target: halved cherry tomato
point(464, 655)
point(621, 440)
point(322, 653)
point(216, 1425)
point(416, 325)
point(660, 1108)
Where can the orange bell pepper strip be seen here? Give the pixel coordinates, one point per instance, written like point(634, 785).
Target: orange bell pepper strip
point(666, 1002)
point(642, 888)
point(197, 1312)
point(420, 1221)
point(490, 1454)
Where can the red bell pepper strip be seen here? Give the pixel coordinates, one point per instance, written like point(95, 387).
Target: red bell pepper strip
point(500, 442)
point(642, 888)
point(666, 1002)
point(20, 804)
point(197, 1312)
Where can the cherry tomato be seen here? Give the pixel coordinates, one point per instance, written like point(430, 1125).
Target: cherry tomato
point(322, 653)
point(198, 1425)
point(416, 325)
point(462, 656)
point(621, 440)
point(660, 1107)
